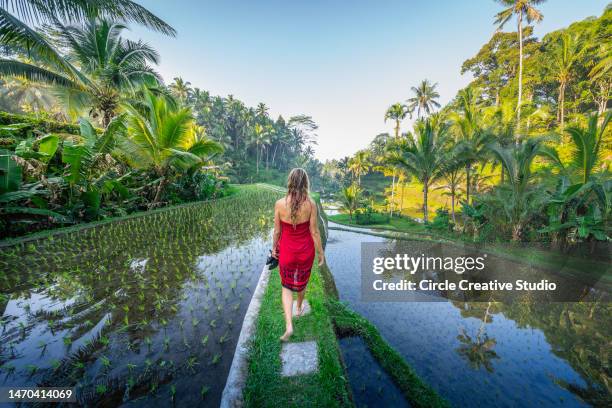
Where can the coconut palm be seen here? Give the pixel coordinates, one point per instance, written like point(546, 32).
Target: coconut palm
point(567, 51)
point(261, 138)
point(523, 10)
point(425, 98)
point(99, 65)
point(360, 164)
point(180, 89)
point(161, 137)
point(396, 112)
point(422, 156)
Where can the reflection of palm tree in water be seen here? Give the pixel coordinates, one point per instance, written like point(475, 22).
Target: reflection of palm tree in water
point(478, 351)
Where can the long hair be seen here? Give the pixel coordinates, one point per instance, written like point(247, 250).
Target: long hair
point(297, 190)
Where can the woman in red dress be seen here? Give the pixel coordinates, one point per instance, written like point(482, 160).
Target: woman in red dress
point(296, 235)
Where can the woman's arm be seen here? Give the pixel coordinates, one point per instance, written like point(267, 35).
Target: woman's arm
point(277, 231)
point(314, 231)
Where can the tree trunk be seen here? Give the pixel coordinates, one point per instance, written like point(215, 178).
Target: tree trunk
point(397, 129)
point(562, 105)
point(402, 186)
point(274, 153)
point(159, 191)
point(467, 183)
point(520, 77)
point(453, 205)
point(425, 208)
point(257, 158)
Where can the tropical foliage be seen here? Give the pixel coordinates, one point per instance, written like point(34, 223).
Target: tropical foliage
point(524, 149)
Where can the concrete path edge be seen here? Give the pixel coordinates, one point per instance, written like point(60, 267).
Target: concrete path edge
point(232, 396)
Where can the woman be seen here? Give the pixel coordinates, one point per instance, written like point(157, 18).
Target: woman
point(296, 234)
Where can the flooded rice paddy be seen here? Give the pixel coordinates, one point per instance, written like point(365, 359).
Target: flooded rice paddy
point(518, 353)
point(140, 312)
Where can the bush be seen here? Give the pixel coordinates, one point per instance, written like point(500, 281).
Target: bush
point(367, 216)
point(441, 221)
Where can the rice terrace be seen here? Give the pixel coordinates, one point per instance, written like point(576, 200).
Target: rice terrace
point(305, 204)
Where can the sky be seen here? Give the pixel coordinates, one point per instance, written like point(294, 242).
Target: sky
point(341, 62)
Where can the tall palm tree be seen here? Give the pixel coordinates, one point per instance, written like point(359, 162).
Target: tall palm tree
point(396, 112)
point(422, 156)
point(523, 10)
point(360, 164)
point(180, 89)
point(99, 65)
point(567, 51)
point(261, 110)
point(425, 98)
point(161, 137)
point(261, 137)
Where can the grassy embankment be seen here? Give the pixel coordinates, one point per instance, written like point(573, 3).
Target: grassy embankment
point(328, 320)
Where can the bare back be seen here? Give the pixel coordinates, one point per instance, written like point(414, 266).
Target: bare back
point(283, 206)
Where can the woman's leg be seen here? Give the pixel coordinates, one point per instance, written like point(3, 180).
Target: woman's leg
point(287, 297)
point(300, 301)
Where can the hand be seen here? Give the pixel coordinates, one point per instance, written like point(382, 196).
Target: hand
point(321, 258)
point(275, 253)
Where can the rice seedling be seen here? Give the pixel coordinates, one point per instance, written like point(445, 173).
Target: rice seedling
point(216, 358)
point(204, 391)
point(129, 280)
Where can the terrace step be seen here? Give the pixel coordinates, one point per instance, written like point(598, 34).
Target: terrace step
point(305, 305)
point(299, 358)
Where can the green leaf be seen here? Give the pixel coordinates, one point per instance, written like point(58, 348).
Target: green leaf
point(10, 172)
point(92, 199)
point(47, 146)
point(77, 157)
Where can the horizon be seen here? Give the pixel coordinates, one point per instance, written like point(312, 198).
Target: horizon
point(330, 48)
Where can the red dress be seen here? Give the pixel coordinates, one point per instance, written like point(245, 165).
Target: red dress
point(296, 255)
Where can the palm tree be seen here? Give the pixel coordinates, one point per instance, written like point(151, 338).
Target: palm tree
point(180, 89)
point(422, 156)
point(523, 9)
point(360, 164)
point(588, 145)
point(451, 173)
point(161, 137)
point(98, 67)
point(349, 197)
point(261, 137)
point(425, 98)
point(261, 111)
point(566, 52)
point(471, 138)
point(519, 198)
point(396, 112)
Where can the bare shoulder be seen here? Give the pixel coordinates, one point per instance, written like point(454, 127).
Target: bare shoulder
point(279, 204)
point(313, 204)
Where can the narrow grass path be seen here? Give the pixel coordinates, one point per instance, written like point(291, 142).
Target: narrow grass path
point(265, 386)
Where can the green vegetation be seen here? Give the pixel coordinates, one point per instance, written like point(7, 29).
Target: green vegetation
point(137, 144)
point(517, 171)
point(135, 318)
point(265, 386)
point(349, 323)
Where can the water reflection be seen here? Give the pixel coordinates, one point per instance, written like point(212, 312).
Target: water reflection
point(489, 352)
point(149, 307)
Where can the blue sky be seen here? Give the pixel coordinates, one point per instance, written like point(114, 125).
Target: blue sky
point(342, 62)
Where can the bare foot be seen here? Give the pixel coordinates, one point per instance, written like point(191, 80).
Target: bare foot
point(285, 337)
point(299, 310)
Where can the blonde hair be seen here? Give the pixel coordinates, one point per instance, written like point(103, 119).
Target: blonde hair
point(297, 190)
